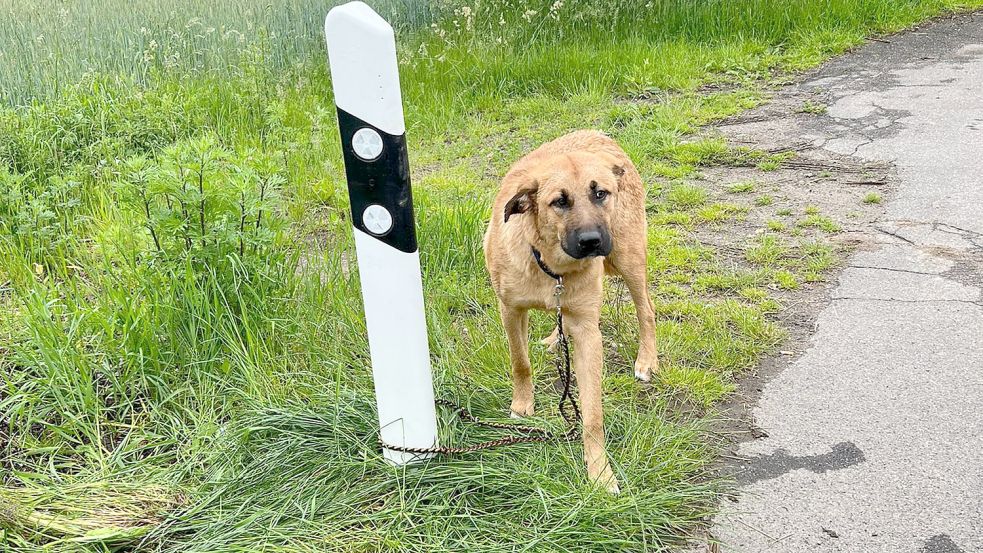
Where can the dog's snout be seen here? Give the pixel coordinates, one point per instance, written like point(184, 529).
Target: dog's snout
point(589, 241)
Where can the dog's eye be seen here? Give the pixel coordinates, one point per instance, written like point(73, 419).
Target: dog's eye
point(600, 194)
point(562, 201)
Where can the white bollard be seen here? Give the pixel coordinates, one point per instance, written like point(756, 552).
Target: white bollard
point(365, 76)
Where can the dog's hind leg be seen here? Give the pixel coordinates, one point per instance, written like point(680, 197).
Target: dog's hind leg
point(552, 340)
point(633, 271)
point(516, 322)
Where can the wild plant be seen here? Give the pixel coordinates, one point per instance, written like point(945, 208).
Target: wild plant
point(39, 217)
point(202, 204)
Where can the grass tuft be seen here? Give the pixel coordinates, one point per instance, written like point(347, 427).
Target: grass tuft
point(872, 198)
point(684, 196)
point(741, 187)
point(766, 249)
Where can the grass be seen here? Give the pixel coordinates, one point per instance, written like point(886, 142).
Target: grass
point(786, 280)
point(54, 45)
point(683, 196)
point(741, 187)
point(814, 108)
point(819, 221)
point(766, 249)
point(182, 353)
point(872, 198)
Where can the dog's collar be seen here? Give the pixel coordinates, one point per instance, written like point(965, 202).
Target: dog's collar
point(542, 265)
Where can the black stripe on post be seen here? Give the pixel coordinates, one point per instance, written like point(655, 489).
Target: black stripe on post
point(384, 181)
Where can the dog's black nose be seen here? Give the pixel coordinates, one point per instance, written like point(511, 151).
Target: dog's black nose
point(589, 241)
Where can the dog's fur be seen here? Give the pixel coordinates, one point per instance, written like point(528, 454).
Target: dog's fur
point(528, 213)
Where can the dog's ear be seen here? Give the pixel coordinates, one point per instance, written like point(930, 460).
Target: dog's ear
point(523, 201)
point(618, 168)
point(615, 164)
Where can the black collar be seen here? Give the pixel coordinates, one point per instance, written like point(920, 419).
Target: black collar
point(539, 261)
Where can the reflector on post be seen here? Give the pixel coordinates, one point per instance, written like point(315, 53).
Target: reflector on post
point(365, 77)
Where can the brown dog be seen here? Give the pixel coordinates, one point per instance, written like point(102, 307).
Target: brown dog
point(580, 203)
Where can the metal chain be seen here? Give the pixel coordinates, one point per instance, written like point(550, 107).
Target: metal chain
point(563, 363)
point(534, 434)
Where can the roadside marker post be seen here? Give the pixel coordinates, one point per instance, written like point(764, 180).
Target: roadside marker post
point(365, 78)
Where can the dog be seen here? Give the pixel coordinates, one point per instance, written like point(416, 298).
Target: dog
point(574, 207)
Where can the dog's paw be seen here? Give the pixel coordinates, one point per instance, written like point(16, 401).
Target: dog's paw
point(644, 369)
point(522, 410)
point(552, 340)
point(612, 487)
point(607, 481)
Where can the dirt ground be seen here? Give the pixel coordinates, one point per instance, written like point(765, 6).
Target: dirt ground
point(791, 121)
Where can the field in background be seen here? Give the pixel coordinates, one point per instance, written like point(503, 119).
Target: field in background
point(182, 357)
point(52, 44)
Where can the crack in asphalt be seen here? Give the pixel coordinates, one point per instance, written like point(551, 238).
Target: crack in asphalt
point(972, 236)
point(896, 235)
point(892, 269)
point(867, 141)
point(977, 303)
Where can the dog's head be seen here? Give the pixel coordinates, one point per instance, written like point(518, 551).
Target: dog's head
point(571, 198)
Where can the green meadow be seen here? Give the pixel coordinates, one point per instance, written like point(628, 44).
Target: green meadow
point(183, 362)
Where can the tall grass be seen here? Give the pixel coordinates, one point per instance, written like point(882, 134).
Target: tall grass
point(182, 356)
point(51, 44)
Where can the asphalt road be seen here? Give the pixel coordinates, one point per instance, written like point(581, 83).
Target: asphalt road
point(875, 434)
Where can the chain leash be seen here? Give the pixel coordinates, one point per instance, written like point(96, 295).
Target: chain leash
point(532, 434)
point(563, 365)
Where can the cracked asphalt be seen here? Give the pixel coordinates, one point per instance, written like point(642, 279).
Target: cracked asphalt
point(873, 437)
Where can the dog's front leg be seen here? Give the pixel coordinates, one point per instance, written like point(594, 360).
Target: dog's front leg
point(588, 364)
point(516, 322)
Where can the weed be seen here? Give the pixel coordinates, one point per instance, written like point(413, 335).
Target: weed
point(719, 212)
point(819, 221)
point(741, 187)
point(766, 249)
point(775, 225)
point(199, 204)
point(684, 196)
point(872, 198)
point(769, 165)
point(702, 152)
point(786, 280)
point(819, 256)
point(814, 108)
point(763, 200)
